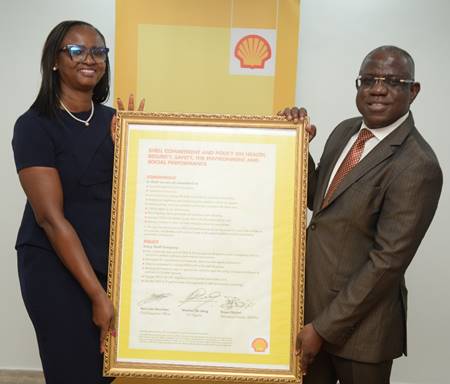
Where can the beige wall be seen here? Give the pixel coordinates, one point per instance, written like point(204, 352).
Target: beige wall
point(334, 37)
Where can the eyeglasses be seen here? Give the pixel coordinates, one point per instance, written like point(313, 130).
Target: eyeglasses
point(79, 53)
point(388, 81)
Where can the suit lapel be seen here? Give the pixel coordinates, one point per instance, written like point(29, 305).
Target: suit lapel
point(375, 157)
point(381, 152)
point(328, 163)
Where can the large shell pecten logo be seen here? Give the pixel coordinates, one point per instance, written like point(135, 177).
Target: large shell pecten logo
point(253, 51)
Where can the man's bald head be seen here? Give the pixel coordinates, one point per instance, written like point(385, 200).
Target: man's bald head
point(395, 51)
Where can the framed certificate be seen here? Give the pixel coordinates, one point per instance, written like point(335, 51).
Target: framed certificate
point(206, 268)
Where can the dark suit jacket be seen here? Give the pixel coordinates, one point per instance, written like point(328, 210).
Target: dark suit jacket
point(359, 246)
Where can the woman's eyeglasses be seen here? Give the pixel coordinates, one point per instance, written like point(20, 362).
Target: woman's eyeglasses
point(79, 53)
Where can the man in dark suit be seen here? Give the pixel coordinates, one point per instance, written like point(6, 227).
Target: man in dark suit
point(373, 196)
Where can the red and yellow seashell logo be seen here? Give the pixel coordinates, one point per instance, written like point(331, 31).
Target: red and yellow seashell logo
point(259, 344)
point(253, 51)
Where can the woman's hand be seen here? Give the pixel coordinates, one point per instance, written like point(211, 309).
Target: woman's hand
point(297, 115)
point(121, 107)
point(103, 317)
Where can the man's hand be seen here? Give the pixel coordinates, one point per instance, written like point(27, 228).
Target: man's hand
point(297, 115)
point(308, 346)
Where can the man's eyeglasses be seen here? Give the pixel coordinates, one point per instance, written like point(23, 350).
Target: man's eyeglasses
point(79, 53)
point(387, 81)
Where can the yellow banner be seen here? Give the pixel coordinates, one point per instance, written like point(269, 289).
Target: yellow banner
point(208, 56)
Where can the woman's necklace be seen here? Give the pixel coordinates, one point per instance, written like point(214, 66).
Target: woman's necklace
point(85, 122)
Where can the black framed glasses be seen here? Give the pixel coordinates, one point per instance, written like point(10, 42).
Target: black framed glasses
point(79, 53)
point(388, 81)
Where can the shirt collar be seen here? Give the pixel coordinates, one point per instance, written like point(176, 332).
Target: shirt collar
point(381, 133)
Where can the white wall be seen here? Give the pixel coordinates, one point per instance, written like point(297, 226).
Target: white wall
point(334, 37)
point(24, 25)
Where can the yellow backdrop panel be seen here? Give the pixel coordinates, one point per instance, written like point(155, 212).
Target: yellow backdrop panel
point(176, 54)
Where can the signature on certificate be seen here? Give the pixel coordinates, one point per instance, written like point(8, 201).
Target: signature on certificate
point(233, 302)
point(154, 297)
point(200, 297)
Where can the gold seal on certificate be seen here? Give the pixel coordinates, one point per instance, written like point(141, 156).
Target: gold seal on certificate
point(207, 247)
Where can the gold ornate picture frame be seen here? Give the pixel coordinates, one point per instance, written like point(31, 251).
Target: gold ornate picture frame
point(206, 268)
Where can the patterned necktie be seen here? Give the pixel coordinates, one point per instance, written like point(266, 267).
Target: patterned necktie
point(351, 159)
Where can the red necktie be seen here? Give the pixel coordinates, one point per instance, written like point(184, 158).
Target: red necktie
point(351, 159)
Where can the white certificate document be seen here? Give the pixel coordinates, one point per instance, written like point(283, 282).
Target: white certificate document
point(202, 261)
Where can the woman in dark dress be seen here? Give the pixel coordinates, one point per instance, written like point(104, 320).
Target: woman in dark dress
point(64, 155)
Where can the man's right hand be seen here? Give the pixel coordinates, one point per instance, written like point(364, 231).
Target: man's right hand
point(297, 115)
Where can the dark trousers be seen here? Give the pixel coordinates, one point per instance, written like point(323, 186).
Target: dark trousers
point(328, 369)
point(61, 314)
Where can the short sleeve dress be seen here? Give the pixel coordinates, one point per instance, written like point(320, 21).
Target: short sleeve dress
point(59, 309)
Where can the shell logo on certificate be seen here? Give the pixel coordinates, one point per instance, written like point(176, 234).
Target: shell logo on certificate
point(207, 247)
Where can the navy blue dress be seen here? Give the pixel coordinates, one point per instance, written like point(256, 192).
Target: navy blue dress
point(59, 309)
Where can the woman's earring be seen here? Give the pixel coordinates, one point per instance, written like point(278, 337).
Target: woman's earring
point(54, 68)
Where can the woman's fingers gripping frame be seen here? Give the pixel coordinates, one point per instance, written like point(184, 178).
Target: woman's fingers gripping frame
point(131, 104)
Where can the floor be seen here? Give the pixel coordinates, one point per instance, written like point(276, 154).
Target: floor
point(36, 377)
point(21, 377)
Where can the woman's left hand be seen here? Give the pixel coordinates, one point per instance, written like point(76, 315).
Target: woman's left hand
point(121, 107)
